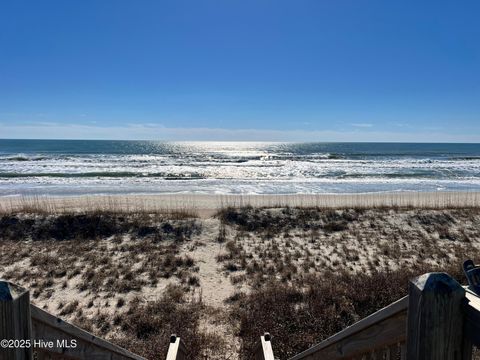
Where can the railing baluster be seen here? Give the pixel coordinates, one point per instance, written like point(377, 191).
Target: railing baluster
point(177, 349)
point(263, 349)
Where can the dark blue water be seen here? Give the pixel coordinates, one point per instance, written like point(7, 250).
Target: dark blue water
point(347, 150)
point(71, 167)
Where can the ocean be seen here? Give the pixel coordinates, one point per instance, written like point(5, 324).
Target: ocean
point(77, 167)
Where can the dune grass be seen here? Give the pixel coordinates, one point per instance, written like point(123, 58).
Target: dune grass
point(300, 273)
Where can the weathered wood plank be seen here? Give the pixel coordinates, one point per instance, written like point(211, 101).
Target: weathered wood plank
point(383, 328)
point(51, 328)
point(14, 320)
point(263, 350)
point(435, 318)
point(177, 349)
point(384, 333)
point(472, 318)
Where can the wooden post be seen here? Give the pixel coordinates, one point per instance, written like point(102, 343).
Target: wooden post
point(15, 323)
point(264, 348)
point(435, 319)
point(177, 349)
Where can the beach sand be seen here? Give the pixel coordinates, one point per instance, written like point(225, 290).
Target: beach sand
point(207, 205)
point(221, 254)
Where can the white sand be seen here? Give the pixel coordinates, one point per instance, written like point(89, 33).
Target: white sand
point(215, 287)
point(206, 205)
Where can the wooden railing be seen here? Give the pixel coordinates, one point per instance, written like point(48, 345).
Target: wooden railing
point(439, 319)
point(40, 335)
point(383, 331)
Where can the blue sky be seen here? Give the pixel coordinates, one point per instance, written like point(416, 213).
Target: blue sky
point(319, 70)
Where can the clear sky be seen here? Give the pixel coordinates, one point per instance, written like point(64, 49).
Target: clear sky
point(319, 70)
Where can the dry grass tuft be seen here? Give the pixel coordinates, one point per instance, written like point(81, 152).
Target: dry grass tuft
point(146, 327)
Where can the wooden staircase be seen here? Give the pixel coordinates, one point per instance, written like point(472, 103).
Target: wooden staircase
point(438, 320)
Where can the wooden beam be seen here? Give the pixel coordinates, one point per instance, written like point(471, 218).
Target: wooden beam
point(379, 336)
point(436, 319)
point(382, 328)
point(177, 349)
point(472, 321)
point(14, 320)
point(48, 327)
point(264, 349)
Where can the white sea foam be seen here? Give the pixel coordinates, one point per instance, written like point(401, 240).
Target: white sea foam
point(239, 168)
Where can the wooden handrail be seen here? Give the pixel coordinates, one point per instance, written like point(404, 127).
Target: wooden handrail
point(19, 319)
point(383, 328)
point(48, 327)
point(439, 319)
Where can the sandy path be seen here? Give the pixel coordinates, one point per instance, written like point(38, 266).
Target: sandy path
point(215, 287)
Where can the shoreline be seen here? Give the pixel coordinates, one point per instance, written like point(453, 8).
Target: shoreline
point(206, 205)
